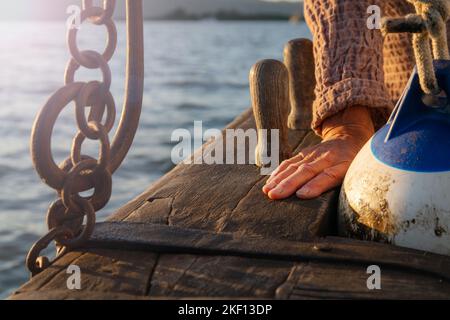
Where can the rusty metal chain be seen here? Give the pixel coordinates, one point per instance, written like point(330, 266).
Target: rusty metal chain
point(79, 173)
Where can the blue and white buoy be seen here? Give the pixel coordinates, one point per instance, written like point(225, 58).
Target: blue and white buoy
point(397, 189)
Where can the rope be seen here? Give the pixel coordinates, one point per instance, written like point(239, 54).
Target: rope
point(429, 22)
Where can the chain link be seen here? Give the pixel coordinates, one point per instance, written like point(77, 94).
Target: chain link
point(78, 173)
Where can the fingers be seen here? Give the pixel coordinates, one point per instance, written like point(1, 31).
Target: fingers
point(274, 181)
point(297, 179)
point(326, 180)
point(285, 164)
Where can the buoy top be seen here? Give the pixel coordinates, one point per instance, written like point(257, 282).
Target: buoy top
point(417, 135)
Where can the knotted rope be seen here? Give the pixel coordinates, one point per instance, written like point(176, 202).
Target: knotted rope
point(429, 22)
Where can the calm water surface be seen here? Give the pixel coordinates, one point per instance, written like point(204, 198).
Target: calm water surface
point(194, 71)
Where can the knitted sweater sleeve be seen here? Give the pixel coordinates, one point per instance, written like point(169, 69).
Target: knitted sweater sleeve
point(348, 58)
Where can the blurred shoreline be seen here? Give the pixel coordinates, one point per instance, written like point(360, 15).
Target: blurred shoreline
point(153, 10)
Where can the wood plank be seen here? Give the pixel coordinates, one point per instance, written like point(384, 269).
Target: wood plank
point(38, 281)
point(165, 239)
point(261, 268)
point(214, 277)
point(75, 295)
point(243, 120)
point(139, 264)
point(160, 208)
point(342, 281)
point(110, 271)
point(185, 276)
point(189, 276)
point(104, 273)
point(229, 198)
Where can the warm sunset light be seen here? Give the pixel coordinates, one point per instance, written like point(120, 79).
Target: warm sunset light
point(216, 158)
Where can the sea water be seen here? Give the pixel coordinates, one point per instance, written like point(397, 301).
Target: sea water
point(194, 71)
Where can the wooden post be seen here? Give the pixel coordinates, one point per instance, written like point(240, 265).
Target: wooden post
point(269, 90)
point(299, 60)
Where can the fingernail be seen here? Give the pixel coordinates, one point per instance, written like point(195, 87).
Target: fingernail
point(271, 185)
point(274, 193)
point(303, 192)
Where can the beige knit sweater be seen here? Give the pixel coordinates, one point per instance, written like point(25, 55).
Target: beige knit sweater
point(354, 65)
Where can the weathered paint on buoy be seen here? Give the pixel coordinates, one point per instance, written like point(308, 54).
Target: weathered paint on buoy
point(397, 189)
point(382, 203)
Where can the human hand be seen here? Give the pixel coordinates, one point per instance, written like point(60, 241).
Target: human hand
point(320, 168)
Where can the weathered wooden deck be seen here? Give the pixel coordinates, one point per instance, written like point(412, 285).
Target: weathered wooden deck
point(209, 231)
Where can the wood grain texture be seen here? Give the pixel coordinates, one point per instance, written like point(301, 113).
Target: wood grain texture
point(104, 274)
point(214, 277)
point(341, 281)
point(162, 239)
point(269, 90)
point(264, 268)
point(231, 202)
point(299, 60)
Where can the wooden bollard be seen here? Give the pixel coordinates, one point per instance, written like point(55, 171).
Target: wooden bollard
point(299, 60)
point(269, 91)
